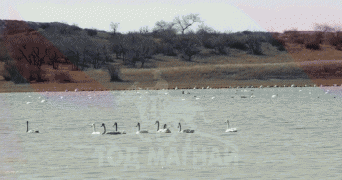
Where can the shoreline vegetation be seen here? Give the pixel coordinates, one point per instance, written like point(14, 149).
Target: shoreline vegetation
point(39, 57)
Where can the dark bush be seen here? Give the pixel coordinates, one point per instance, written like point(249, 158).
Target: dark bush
point(254, 45)
point(279, 43)
point(238, 45)
point(188, 48)
point(166, 49)
point(247, 32)
point(209, 42)
point(313, 45)
point(222, 50)
point(91, 32)
point(75, 28)
point(44, 25)
point(335, 39)
point(114, 73)
point(11, 73)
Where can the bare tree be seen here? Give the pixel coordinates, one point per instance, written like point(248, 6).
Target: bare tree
point(143, 30)
point(324, 28)
point(114, 27)
point(186, 21)
point(164, 26)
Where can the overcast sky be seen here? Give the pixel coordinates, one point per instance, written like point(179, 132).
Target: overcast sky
point(232, 15)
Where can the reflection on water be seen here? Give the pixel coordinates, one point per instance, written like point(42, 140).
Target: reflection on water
point(293, 134)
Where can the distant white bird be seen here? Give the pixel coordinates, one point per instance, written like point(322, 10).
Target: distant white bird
point(212, 97)
point(230, 129)
point(176, 88)
point(76, 89)
point(30, 131)
point(140, 131)
point(165, 130)
point(28, 102)
point(274, 96)
point(42, 101)
point(185, 130)
point(94, 132)
point(252, 96)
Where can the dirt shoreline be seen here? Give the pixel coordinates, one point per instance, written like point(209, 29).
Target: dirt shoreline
point(55, 87)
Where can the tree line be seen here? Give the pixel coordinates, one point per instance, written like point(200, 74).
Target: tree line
point(29, 45)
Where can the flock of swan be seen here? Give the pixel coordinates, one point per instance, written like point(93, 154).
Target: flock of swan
point(163, 130)
point(116, 132)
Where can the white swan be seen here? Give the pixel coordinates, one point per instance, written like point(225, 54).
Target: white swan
point(94, 132)
point(140, 131)
point(165, 130)
point(110, 133)
point(32, 130)
point(230, 129)
point(116, 129)
point(185, 130)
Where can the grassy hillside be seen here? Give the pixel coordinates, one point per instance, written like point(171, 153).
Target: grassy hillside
point(57, 56)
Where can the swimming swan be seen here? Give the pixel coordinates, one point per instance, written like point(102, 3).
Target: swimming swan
point(32, 130)
point(116, 129)
point(94, 132)
point(140, 131)
point(185, 130)
point(165, 130)
point(110, 133)
point(231, 129)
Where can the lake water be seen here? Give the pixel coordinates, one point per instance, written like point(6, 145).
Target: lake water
point(296, 134)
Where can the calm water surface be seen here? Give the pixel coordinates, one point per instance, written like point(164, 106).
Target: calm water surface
point(294, 134)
